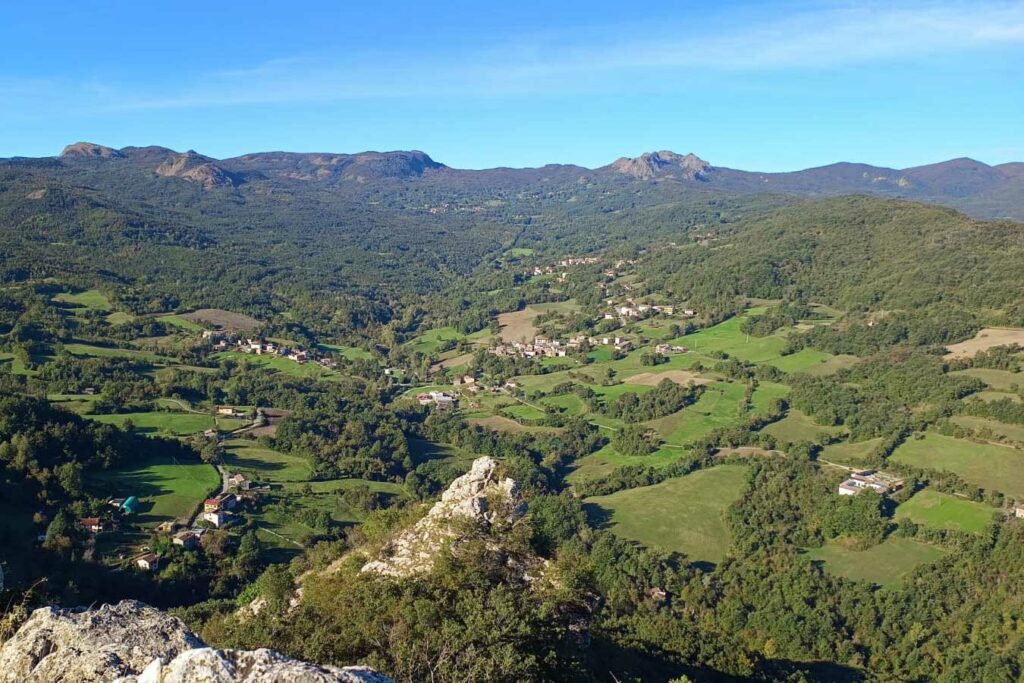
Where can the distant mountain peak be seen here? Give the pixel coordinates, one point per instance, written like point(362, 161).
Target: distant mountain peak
point(195, 168)
point(663, 164)
point(90, 149)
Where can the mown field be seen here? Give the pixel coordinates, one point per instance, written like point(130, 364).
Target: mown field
point(885, 564)
point(993, 467)
point(943, 511)
point(684, 514)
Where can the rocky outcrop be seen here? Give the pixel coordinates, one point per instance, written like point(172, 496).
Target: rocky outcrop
point(663, 164)
point(90, 149)
point(197, 169)
point(133, 643)
point(480, 498)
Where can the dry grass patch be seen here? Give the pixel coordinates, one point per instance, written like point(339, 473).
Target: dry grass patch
point(518, 325)
point(986, 339)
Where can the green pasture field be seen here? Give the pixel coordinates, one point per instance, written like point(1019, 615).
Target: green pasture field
point(885, 564)
point(683, 514)
point(264, 464)
point(943, 511)
point(849, 452)
point(797, 426)
point(350, 352)
point(181, 323)
point(993, 467)
point(1008, 431)
point(167, 489)
point(90, 299)
point(727, 337)
point(160, 422)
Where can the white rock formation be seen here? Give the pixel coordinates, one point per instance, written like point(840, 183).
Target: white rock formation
point(480, 496)
point(133, 643)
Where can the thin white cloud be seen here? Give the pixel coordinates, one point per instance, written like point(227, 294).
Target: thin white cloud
point(617, 59)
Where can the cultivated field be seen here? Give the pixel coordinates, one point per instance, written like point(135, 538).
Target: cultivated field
point(1013, 432)
point(943, 511)
point(90, 299)
point(986, 339)
point(998, 468)
point(885, 564)
point(683, 515)
point(264, 464)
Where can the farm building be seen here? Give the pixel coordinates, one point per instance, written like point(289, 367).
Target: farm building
point(217, 518)
point(864, 480)
point(239, 481)
point(150, 562)
point(92, 524)
point(186, 539)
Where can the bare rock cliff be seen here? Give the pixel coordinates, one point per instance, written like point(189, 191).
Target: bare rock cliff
point(133, 643)
point(481, 497)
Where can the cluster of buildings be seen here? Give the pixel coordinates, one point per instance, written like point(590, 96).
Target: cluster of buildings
point(441, 400)
point(630, 310)
point(666, 349)
point(869, 480)
point(542, 347)
point(260, 347)
point(560, 267)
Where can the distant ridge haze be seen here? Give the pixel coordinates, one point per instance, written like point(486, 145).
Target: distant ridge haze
point(969, 185)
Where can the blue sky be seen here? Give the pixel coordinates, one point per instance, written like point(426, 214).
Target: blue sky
point(754, 85)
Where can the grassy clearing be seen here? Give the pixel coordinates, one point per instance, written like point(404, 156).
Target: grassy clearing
point(119, 318)
point(684, 514)
point(765, 394)
point(717, 407)
point(500, 423)
point(885, 564)
point(160, 422)
point(1002, 429)
point(264, 464)
point(801, 361)
point(850, 452)
point(797, 426)
point(989, 396)
point(1000, 380)
point(181, 323)
point(522, 411)
point(90, 299)
point(728, 338)
point(79, 349)
point(167, 489)
point(350, 352)
point(943, 511)
point(833, 365)
point(998, 468)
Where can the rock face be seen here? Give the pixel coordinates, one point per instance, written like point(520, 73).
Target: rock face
point(478, 497)
point(663, 164)
point(195, 168)
point(133, 643)
point(90, 149)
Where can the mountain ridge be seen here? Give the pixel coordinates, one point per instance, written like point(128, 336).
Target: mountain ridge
point(971, 186)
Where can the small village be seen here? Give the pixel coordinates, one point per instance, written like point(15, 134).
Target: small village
point(262, 347)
